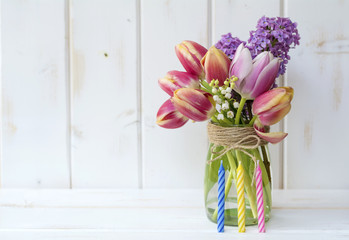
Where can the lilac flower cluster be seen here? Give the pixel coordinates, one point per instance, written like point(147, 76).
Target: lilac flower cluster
point(229, 44)
point(277, 35)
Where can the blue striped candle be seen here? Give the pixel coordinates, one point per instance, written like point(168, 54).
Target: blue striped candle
point(221, 198)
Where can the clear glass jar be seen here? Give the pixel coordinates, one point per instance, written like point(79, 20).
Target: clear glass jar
point(230, 163)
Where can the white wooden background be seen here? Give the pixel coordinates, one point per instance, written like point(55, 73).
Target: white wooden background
point(79, 92)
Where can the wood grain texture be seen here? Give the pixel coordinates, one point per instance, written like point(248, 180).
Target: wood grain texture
point(156, 213)
point(34, 113)
point(239, 18)
point(171, 158)
point(317, 143)
point(104, 94)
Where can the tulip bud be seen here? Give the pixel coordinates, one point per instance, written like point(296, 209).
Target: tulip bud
point(254, 77)
point(189, 54)
point(216, 65)
point(176, 79)
point(195, 104)
point(169, 117)
point(273, 105)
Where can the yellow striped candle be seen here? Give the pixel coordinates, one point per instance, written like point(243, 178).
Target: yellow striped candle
point(241, 198)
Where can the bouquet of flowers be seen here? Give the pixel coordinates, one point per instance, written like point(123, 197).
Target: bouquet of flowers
point(232, 84)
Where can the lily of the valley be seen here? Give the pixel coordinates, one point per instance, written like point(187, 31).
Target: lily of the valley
point(216, 65)
point(189, 54)
point(254, 76)
point(270, 108)
point(176, 79)
point(195, 104)
point(169, 117)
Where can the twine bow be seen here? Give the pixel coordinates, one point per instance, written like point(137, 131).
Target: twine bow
point(238, 138)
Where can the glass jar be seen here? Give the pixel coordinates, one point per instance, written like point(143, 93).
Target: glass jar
point(230, 163)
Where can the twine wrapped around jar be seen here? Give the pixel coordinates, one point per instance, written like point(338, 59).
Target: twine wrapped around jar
point(238, 138)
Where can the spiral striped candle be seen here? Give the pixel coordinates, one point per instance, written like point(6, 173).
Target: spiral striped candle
point(260, 204)
point(241, 198)
point(221, 196)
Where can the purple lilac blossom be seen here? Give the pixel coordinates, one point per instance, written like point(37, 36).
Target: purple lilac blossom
point(229, 44)
point(277, 35)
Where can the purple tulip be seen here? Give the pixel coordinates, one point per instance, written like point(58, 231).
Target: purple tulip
point(254, 76)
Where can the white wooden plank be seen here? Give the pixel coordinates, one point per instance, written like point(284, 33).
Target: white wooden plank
point(74, 214)
point(171, 158)
point(104, 93)
point(239, 18)
point(317, 143)
point(160, 198)
point(34, 113)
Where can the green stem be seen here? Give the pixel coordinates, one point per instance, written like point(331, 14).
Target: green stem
point(252, 121)
point(214, 119)
point(247, 182)
point(226, 121)
point(266, 161)
point(238, 114)
point(232, 175)
point(207, 86)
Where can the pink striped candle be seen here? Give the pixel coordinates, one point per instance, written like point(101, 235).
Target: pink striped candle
point(260, 204)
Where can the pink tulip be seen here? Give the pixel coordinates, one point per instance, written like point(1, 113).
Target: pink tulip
point(169, 117)
point(254, 76)
point(216, 65)
point(273, 105)
point(195, 104)
point(189, 54)
point(270, 108)
point(176, 79)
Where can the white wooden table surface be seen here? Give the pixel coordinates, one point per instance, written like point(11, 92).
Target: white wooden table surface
point(162, 214)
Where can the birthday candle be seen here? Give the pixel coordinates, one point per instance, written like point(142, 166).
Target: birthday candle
point(241, 198)
point(260, 204)
point(221, 196)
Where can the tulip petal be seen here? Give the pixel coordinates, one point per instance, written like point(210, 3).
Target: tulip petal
point(272, 98)
point(195, 48)
point(262, 55)
point(248, 84)
point(266, 78)
point(216, 65)
point(169, 117)
point(177, 79)
point(242, 67)
point(168, 85)
point(237, 53)
point(273, 137)
point(194, 104)
point(189, 54)
point(275, 115)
